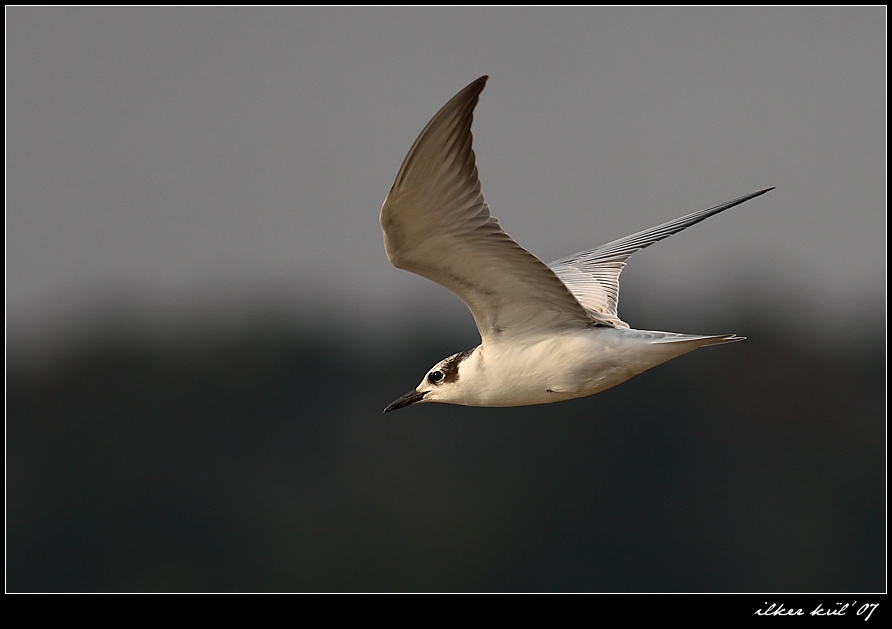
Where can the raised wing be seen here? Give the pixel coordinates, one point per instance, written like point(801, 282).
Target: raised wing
point(436, 224)
point(593, 276)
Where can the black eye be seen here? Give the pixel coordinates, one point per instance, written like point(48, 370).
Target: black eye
point(435, 376)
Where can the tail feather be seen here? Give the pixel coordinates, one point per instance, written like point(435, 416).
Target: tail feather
point(699, 341)
point(664, 346)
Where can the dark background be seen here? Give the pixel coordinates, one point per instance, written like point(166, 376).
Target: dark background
point(263, 463)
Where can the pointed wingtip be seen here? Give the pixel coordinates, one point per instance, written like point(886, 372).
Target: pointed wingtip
point(753, 195)
point(738, 201)
point(477, 84)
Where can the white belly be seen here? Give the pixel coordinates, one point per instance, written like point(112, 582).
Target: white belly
point(570, 366)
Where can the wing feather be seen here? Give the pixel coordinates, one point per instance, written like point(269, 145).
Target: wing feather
point(436, 224)
point(593, 275)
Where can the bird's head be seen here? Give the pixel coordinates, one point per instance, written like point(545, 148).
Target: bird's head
point(442, 383)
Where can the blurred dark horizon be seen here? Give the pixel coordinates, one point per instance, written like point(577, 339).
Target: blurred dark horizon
point(256, 458)
point(188, 319)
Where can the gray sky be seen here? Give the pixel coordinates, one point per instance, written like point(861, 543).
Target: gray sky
point(161, 161)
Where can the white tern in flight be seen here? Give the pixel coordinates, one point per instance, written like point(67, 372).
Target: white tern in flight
point(548, 332)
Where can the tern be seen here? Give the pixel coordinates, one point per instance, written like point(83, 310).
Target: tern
point(548, 332)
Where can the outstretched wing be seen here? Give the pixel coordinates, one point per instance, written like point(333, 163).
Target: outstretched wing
point(593, 275)
point(437, 224)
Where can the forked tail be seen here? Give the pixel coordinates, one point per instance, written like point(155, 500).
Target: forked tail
point(700, 341)
point(663, 346)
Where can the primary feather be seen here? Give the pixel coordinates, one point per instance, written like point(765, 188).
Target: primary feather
point(593, 276)
point(437, 224)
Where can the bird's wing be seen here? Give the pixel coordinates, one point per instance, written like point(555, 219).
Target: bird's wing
point(593, 275)
point(436, 224)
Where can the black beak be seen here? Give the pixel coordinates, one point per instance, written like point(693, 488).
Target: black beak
point(410, 398)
